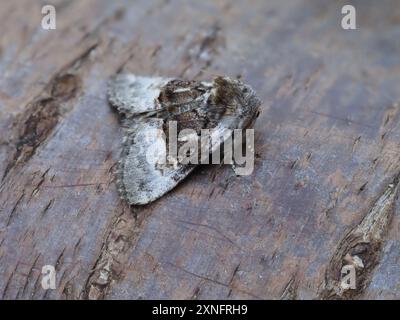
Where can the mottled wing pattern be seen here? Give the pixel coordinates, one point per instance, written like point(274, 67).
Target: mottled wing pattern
point(142, 178)
point(149, 104)
point(132, 95)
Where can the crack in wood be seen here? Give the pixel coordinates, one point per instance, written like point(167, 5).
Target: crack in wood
point(34, 125)
point(290, 290)
point(361, 248)
point(217, 282)
point(123, 234)
point(14, 209)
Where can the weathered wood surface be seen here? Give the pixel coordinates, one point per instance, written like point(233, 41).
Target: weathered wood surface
point(327, 145)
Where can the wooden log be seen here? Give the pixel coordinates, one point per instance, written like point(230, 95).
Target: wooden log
point(326, 171)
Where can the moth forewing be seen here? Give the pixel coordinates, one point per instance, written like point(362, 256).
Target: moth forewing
point(144, 173)
point(132, 95)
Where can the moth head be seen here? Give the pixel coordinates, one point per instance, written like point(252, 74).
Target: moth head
point(238, 98)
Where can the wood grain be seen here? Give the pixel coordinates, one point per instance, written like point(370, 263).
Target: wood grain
point(327, 146)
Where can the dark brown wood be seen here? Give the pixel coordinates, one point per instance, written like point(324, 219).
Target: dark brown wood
point(327, 144)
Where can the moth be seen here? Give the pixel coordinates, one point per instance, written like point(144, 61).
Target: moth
point(148, 104)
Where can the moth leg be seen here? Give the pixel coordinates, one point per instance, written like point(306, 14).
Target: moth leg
point(132, 95)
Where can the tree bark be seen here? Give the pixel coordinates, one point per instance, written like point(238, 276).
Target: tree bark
point(324, 187)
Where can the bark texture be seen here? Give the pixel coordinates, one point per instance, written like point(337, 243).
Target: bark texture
point(323, 191)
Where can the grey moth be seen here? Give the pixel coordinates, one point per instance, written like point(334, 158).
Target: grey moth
point(148, 105)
